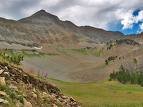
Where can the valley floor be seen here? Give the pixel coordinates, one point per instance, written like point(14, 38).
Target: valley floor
point(103, 94)
point(84, 76)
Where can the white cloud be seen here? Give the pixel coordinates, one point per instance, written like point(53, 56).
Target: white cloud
point(98, 13)
point(140, 16)
point(141, 26)
point(128, 19)
point(49, 2)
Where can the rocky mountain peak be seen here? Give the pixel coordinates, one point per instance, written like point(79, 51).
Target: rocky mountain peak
point(41, 17)
point(43, 13)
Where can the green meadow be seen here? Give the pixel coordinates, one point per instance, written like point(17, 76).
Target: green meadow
point(103, 94)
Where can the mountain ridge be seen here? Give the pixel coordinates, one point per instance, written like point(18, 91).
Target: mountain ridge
point(43, 28)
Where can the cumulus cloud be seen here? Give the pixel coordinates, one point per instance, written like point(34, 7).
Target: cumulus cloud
point(98, 13)
point(140, 16)
point(128, 19)
point(141, 28)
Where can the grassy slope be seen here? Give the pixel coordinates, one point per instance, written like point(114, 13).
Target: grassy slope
point(103, 94)
point(79, 65)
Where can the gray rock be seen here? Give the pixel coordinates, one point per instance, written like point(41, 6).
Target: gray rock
point(1, 71)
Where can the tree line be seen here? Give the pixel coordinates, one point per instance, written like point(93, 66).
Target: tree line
point(124, 76)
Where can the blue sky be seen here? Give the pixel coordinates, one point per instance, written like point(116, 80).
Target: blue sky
point(135, 29)
point(113, 15)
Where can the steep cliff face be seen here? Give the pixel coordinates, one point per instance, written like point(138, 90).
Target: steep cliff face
point(45, 28)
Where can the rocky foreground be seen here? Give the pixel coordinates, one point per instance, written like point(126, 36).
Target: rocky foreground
point(19, 89)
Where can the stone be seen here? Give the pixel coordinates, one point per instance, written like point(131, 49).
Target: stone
point(52, 96)
point(71, 99)
point(34, 95)
point(2, 93)
point(60, 99)
point(3, 101)
point(27, 104)
point(64, 97)
point(34, 90)
point(44, 94)
point(6, 73)
point(54, 105)
point(6, 67)
point(2, 81)
point(1, 71)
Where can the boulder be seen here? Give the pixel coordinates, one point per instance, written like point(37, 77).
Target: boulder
point(2, 81)
point(3, 101)
point(2, 93)
point(34, 95)
point(1, 71)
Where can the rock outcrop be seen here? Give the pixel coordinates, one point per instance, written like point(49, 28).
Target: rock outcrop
point(19, 88)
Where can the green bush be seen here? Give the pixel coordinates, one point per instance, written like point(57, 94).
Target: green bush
point(12, 94)
point(15, 58)
point(111, 58)
point(12, 57)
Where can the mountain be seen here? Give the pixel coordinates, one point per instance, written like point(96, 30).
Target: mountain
point(44, 29)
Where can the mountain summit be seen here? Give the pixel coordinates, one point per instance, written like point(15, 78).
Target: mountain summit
point(40, 16)
point(43, 13)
